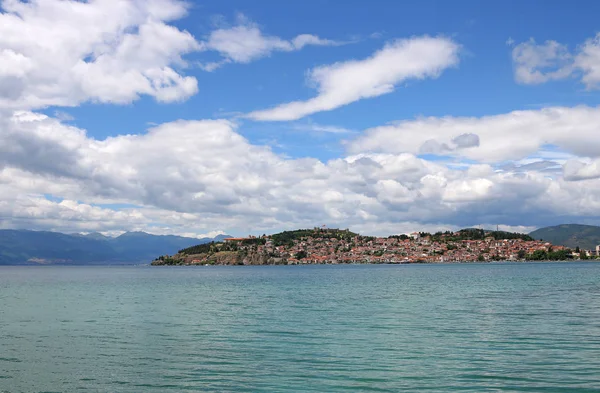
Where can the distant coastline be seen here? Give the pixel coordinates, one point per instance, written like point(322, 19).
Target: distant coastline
point(337, 246)
point(155, 264)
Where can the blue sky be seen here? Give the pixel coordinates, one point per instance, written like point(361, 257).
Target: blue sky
point(459, 76)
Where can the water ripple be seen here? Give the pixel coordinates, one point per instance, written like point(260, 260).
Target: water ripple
point(467, 328)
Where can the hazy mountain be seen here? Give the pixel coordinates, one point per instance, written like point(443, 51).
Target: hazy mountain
point(132, 245)
point(39, 247)
point(570, 235)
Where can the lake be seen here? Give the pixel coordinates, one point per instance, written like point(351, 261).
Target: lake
point(523, 327)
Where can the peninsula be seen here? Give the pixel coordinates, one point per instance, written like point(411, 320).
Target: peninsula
point(336, 246)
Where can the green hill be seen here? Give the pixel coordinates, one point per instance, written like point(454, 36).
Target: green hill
point(570, 235)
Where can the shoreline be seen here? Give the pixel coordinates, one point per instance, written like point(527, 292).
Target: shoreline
point(382, 264)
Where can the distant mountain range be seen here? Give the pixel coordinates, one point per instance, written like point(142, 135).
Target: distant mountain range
point(37, 247)
point(586, 237)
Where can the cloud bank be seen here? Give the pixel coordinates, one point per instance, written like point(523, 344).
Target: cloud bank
point(198, 176)
point(490, 139)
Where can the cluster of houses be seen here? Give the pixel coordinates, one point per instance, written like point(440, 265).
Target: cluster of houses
point(412, 249)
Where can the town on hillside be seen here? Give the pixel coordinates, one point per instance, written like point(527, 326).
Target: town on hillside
point(336, 246)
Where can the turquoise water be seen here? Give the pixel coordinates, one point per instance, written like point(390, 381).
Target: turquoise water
point(425, 328)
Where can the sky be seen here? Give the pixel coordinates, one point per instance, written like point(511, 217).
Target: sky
point(208, 117)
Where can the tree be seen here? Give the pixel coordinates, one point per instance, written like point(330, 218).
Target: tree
point(538, 255)
point(560, 255)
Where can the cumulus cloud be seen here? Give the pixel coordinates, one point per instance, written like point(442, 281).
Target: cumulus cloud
point(588, 61)
point(491, 139)
point(63, 53)
point(198, 176)
point(578, 170)
point(342, 83)
point(34, 211)
point(540, 63)
point(245, 42)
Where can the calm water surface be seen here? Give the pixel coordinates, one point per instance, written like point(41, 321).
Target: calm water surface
point(426, 328)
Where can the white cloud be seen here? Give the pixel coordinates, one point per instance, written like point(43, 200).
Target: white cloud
point(64, 53)
point(588, 61)
point(199, 176)
point(578, 170)
point(540, 63)
point(37, 212)
point(469, 190)
point(322, 128)
point(499, 138)
point(309, 39)
point(246, 42)
point(346, 82)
